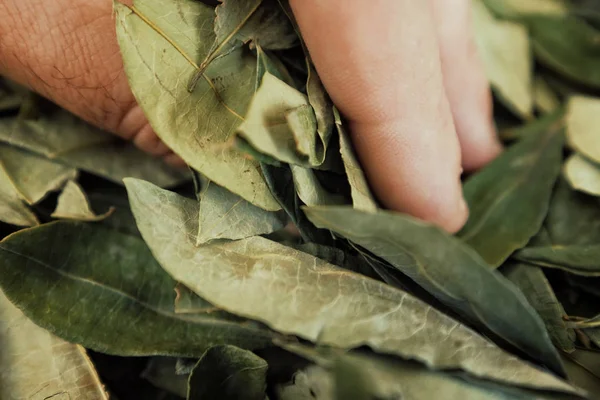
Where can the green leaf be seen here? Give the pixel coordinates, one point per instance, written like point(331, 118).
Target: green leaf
point(583, 175)
point(535, 127)
point(536, 288)
point(160, 49)
point(315, 300)
point(228, 372)
point(377, 377)
point(267, 62)
point(518, 8)
point(311, 191)
point(104, 290)
point(73, 204)
point(448, 270)
point(577, 259)
point(34, 364)
point(12, 208)
point(512, 192)
point(583, 121)
point(33, 176)
point(63, 137)
point(11, 95)
point(545, 98)
point(568, 46)
point(256, 22)
point(505, 51)
point(362, 198)
point(573, 218)
point(225, 215)
point(584, 370)
point(279, 118)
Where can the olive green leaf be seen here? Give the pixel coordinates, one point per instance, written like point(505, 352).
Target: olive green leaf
point(311, 191)
point(33, 176)
point(104, 290)
point(577, 259)
point(573, 217)
point(225, 215)
point(278, 120)
point(583, 120)
point(362, 198)
point(513, 192)
point(62, 137)
point(188, 302)
point(517, 9)
point(228, 372)
point(447, 269)
point(160, 48)
point(161, 372)
point(582, 174)
point(73, 204)
point(584, 370)
point(34, 364)
point(267, 62)
point(536, 288)
point(12, 208)
point(535, 127)
point(257, 22)
point(11, 95)
point(568, 45)
point(544, 97)
point(315, 300)
point(585, 323)
point(377, 377)
point(505, 51)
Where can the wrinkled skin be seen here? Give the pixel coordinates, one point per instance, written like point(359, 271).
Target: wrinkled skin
point(404, 73)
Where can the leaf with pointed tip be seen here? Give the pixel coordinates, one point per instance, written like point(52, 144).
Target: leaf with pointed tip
point(536, 288)
point(448, 270)
point(512, 192)
point(12, 208)
point(228, 372)
point(391, 378)
point(104, 290)
point(225, 215)
point(506, 55)
point(535, 127)
point(34, 364)
point(160, 48)
point(33, 176)
point(362, 198)
point(583, 121)
point(315, 300)
point(73, 204)
point(576, 259)
point(583, 174)
point(63, 137)
point(267, 62)
point(567, 45)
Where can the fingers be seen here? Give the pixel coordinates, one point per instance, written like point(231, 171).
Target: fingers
point(67, 51)
point(466, 85)
point(380, 62)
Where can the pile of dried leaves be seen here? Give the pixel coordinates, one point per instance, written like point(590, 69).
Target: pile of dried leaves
point(188, 284)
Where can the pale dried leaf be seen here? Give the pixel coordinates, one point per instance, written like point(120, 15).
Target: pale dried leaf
point(73, 204)
point(582, 174)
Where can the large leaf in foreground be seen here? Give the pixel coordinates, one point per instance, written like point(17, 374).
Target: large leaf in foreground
point(161, 49)
point(313, 299)
point(34, 364)
point(447, 269)
point(509, 198)
point(104, 290)
point(228, 372)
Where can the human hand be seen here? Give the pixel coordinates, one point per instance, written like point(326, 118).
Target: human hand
point(403, 126)
point(407, 77)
